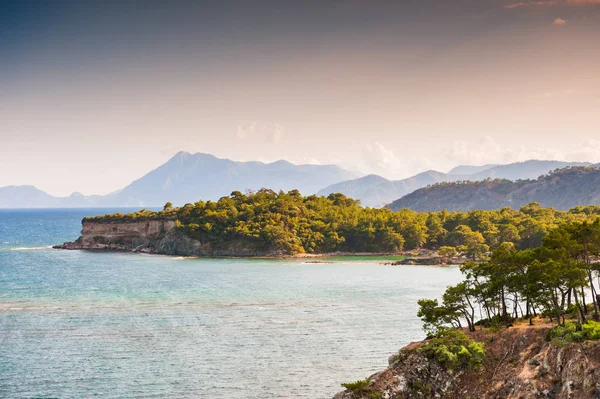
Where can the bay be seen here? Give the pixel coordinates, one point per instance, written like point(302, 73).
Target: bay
point(79, 324)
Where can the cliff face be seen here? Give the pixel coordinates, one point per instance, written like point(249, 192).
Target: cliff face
point(144, 236)
point(125, 233)
point(519, 363)
point(152, 236)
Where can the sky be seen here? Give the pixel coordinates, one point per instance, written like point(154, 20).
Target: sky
point(95, 94)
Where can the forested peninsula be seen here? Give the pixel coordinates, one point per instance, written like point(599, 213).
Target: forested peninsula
point(268, 223)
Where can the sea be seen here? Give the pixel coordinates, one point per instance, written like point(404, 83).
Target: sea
point(77, 324)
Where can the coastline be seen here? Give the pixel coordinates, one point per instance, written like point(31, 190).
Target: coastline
point(71, 246)
point(520, 362)
point(163, 237)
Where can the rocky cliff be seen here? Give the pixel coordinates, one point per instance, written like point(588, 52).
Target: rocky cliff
point(151, 236)
point(520, 363)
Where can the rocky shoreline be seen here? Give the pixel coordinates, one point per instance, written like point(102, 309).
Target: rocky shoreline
point(161, 237)
point(520, 363)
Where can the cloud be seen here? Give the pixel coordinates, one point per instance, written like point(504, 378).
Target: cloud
point(487, 150)
point(267, 132)
point(382, 161)
point(378, 159)
point(559, 21)
point(532, 3)
point(543, 3)
point(588, 151)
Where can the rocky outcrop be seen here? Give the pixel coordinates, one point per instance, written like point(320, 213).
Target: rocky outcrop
point(519, 363)
point(155, 237)
point(426, 260)
point(143, 236)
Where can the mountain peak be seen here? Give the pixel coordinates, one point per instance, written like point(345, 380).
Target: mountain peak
point(181, 154)
point(281, 162)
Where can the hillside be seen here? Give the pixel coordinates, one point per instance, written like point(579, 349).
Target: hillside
point(187, 178)
point(523, 170)
point(497, 333)
point(563, 189)
point(520, 363)
point(376, 191)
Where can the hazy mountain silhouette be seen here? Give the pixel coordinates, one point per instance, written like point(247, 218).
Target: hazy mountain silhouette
point(376, 191)
point(561, 189)
point(188, 178)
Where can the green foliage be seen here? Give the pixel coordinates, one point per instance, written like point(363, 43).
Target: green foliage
point(555, 280)
point(357, 386)
point(570, 332)
point(447, 251)
point(452, 349)
point(140, 216)
point(564, 332)
point(434, 316)
point(363, 388)
point(290, 223)
point(591, 330)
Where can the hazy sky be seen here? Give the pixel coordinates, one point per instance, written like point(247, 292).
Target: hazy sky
point(94, 95)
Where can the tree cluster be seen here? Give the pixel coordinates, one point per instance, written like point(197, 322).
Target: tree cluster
point(291, 223)
point(557, 279)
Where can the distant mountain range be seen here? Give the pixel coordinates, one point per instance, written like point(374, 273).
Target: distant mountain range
point(188, 178)
point(376, 191)
point(191, 177)
point(562, 189)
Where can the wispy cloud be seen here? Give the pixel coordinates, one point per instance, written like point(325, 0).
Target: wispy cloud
point(542, 3)
point(532, 3)
point(487, 150)
point(260, 131)
point(381, 160)
point(559, 21)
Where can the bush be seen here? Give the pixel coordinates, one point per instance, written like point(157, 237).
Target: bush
point(362, 388)
point(591, 330)
point(452, 349)
point(570, 333)
point(357, 386)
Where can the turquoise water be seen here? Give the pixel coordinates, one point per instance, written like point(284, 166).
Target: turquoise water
point(80, 324)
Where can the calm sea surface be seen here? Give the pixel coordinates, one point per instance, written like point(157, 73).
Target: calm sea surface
point(110, 325)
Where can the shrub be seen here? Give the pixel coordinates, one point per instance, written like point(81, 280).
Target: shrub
point(570, 333)
point(362, 388)
point(591, 330)
point(357, 386)
point(453, 349)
